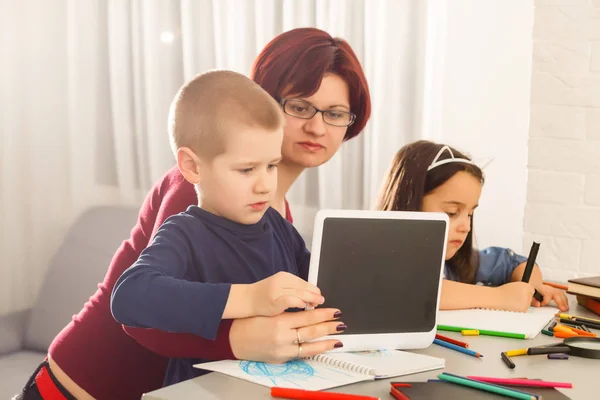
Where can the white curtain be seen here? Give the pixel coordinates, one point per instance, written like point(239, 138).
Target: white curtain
point(86, 85)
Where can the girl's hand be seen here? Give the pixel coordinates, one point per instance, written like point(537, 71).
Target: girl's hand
point(271, 339)
point(550, 293)
point(515, 296)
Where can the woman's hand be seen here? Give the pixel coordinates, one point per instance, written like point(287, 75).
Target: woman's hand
point(550, 293)
point(272, 339)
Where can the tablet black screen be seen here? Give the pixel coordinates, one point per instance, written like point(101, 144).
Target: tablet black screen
point(383, 274)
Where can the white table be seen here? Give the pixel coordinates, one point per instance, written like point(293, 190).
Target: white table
point(583, 373)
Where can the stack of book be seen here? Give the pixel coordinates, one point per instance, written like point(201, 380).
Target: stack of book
point(587, 291)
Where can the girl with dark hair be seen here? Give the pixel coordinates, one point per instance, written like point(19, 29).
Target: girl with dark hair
point(430, 177)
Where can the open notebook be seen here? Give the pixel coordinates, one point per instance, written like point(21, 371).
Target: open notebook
point(529, 323)
point(326, 371)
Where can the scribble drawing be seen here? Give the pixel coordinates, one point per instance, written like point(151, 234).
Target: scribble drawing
point(293, 372)
point(289, 371)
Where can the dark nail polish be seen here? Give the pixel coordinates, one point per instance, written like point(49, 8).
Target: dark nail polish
point(339, 345)
point(337, 314)
point(341, 328)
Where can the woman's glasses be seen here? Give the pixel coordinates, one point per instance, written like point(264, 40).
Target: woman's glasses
point(304, 110)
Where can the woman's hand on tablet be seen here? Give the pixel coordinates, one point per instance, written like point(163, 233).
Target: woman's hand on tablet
point(281, 291)
point(274, 339)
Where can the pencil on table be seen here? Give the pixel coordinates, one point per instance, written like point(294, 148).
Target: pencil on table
point(457, 348)
point(556, 285)
point(398, 395)
point(453, 341)
point(488, 387)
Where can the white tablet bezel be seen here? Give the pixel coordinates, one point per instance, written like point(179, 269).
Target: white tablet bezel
point(365, 342)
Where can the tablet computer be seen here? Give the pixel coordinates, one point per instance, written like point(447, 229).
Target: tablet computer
point(383, 270)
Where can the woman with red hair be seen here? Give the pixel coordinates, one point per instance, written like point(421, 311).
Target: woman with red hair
point(323, 92)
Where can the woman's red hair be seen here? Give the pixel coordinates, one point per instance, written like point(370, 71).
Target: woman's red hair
point(296, 61)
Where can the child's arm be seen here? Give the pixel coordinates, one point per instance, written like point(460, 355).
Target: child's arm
point(515, 296)
point(495, 266)
point(154, 292)
point(171, 196)
point(501, 268)
point(549, 293)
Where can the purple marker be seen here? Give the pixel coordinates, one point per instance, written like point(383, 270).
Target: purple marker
point(558, 356)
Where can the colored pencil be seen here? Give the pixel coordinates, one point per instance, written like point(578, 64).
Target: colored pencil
point(457, 348)
point(299, 394)
point(397, 394)
point(556, 285)
point(453, 341)
point(482, 332)
point(488, 387)
point(522, 382)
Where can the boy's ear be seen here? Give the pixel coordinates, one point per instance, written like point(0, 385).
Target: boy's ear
point(189, 165)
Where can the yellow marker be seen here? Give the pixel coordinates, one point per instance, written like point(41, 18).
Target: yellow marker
point(470, 332)
point(520, 352)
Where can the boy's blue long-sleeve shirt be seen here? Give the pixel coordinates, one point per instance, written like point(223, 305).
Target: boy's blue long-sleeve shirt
point(181, 282)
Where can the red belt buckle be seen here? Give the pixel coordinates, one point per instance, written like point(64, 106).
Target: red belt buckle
point(46, 385)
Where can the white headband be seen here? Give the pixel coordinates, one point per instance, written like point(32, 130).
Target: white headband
point(437, 162)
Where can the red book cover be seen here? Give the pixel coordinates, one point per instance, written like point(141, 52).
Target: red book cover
point(589, 303)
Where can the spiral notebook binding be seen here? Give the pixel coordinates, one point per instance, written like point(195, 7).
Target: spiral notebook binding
point(497, 309)
point(344, 365)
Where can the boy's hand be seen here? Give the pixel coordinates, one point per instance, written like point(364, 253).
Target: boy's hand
point(277, 293)
point(550, 293)
point(515, 296)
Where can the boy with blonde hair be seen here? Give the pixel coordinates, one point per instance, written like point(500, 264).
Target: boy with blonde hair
point(232, 256)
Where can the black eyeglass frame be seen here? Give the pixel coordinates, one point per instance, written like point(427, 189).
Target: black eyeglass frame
point(283, 102)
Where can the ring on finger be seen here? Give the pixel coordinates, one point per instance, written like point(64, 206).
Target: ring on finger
point(299, 350)
point(298, 341)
